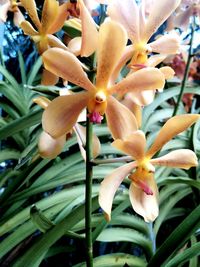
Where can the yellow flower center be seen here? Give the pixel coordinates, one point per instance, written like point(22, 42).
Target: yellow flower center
point(142, 175)
point(140, 54)
point(14, 6)
point(98, 102)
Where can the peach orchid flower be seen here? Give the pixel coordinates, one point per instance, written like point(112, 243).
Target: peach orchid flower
point(143, 190)
point(181, 18)
point(140, 29)
point(53, 17)
point(62, 113)
point(49, 147)
point(52, 20)
point(12, 6)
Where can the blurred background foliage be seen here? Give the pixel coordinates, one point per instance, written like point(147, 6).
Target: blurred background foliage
point(42, 200)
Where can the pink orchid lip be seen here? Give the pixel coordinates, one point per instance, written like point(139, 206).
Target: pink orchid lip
point(141, 66)
point(95, 117)
point(145, 187)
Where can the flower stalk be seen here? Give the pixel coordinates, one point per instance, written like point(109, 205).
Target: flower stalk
point(88, 194)
point(187, 68)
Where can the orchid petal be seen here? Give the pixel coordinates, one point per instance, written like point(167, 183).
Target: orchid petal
point(136, 109)
point(31, 9)
point(170, 129)
point(75, 45)
point(120, 119)
point(4, 11)
point(167, 44)
point(158, 14)
point(182, 20)
point(28, 28)
point(180, 158)
point(133, 145)
point(18, 18)
point(42, 101)
point(142, 98)
point(143, 204)
point(53, 41)
point(154, 60)
point(126, 12)
point(48, 78)
point(128, 53)
point(42, 45)
point(168, 72)
point(110, 185)
point(154, 79)
point(59, 20)
point(89, 31)
point(49, 147)
point(65, 65)
point(49, 13)
point(62, 113)
point(81, 138)
point(112, 42)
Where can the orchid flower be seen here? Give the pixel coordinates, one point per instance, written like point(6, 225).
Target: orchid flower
point(143, 190)
point(182, 16)
point(140, 29)
point(50, 147)
point(62, 113)
point(12, 6)
point(53, 17)
point(87, 43)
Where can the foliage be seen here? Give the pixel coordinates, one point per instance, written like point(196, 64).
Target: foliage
point(42, 200)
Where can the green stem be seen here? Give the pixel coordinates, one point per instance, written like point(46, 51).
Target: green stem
point(112, 160)
point(88, 195)
point(187, 68)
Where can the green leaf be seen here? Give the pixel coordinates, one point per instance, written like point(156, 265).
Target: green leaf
point(177, 238)
point(41, 246)
point(21, 124)
point(9, 154)
point(184, 256)
point(116, 260)
point(167, 206)
point(22, 67)
point(39, 219)
point(117, 234)
point(34, 71)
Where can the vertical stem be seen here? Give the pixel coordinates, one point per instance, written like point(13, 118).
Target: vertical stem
point(187, 68)
point(88, 194)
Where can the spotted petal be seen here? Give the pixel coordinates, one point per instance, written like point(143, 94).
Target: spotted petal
point(110, 185)
point(65, 65)
point(120, 119)
point(143, 204)
point(180, 158)
point(133, 145)
point(112, 42)
point(170, 129)
point(62, 113)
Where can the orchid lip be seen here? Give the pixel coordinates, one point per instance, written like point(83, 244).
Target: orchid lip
point(95, 117)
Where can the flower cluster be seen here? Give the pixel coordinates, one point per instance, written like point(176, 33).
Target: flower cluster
point(125, 40)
